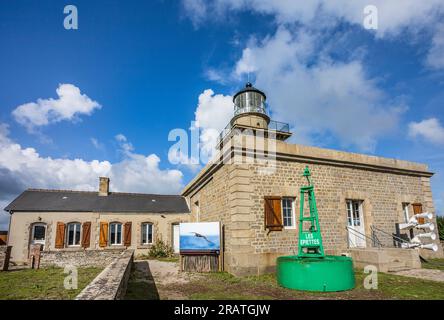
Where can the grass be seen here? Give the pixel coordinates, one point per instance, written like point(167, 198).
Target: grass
point(434, 264)
point(164, 259)
point(223, 286)
point(42, 284)
point(398, 287)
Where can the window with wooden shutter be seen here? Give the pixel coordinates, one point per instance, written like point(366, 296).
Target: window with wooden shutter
point(103, 240)
point(127, 234)
point(417, 208)
point(273, 213)
point(86, 234)
point(60, 236)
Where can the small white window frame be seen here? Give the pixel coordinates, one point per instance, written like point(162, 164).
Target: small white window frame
point(144, 228)
point(351, 212)
point(293, 212)
point(115, 234)
point(74, 238)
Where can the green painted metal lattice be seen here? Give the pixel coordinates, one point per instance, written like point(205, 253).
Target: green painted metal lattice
point(310, 239)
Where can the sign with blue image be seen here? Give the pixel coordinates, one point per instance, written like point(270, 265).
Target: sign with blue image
point(199, 237)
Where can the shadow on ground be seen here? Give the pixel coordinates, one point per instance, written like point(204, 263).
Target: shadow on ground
point(141, 285)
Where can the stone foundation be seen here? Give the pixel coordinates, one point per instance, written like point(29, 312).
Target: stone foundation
point(112, 282)
point(386, 259)
point(79, 258)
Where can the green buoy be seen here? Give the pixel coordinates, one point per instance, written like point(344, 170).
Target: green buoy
point(311, 269)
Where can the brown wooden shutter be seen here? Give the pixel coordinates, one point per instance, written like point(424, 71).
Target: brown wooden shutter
point(417, 208)
point(103, 241)
point(273, 213)
point(127, 234)
point(60, 236)
point(86, 234)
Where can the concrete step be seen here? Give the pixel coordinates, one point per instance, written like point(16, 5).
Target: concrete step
point(396, 269)
point(395, 266)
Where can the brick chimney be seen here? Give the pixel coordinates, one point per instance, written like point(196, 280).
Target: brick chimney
point(103, 186)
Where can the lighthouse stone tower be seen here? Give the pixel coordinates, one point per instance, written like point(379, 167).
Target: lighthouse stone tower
point(250, 113)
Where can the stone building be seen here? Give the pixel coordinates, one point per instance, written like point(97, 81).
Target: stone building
point(80, 223)
point(252, 187)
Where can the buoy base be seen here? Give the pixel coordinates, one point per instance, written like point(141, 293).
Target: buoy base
point(331, 273)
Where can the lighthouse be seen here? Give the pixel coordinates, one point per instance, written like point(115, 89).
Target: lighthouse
point(250, 116)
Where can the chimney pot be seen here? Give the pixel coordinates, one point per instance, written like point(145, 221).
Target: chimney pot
point(103, 186)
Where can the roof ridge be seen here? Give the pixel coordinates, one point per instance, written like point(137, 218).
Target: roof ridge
point(147, 194)
point(59, 190)
point(118, 193)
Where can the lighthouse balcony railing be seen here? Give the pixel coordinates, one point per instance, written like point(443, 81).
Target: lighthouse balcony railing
point(279, 126)
point(272, 126)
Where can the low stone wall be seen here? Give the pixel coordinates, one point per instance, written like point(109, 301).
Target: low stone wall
point(5, 252)
point(386, 259)
point(79, 258)
point(111, 283)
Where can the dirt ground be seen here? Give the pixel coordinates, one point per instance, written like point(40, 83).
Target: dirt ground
point(154, 279)
point(161, 279)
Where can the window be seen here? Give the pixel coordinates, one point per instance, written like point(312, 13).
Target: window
point(288, 213)
point(115, 233)
point(38, 232)
point(354, 215)
point(405, 210)
point(74, 234)
point(147, 233)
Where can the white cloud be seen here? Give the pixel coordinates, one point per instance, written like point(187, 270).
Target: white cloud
point(394, 17)
point(323, 99)
point(97, 144)
point(22, 168)
point(68, 106)
point(430, 129)
point(213, 110)
point(213, 113)
point(198, 9)
point(125, 145)
point(435, 57)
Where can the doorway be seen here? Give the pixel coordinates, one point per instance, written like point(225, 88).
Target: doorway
point(355, 222)
point(176, 238)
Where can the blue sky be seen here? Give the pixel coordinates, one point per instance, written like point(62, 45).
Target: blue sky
point(135, 70)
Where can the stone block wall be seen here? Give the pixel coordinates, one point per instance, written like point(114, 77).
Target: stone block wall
point(112, 282)
point(234, 194)
point(214, 205)
point(79, 258)
point(22, 222)
point(379, 191)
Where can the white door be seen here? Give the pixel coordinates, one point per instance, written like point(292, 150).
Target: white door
point(38, 234)
point(355, 222)
point(176, 238)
